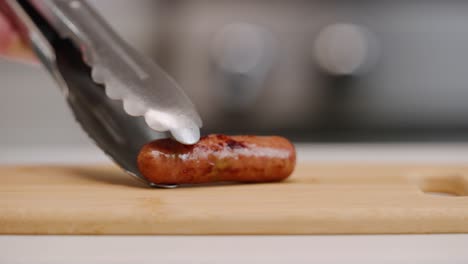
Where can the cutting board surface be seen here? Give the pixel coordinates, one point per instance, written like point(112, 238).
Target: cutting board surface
point(317, 199)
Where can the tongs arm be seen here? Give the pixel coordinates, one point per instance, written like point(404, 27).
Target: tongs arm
point(94, 68)
point(137, 81)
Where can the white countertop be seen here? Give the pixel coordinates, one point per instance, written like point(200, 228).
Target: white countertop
point(449, 248)
point(412, 249)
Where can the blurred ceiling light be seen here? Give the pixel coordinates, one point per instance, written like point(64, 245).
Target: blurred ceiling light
point(242, 48)
point(344, 49)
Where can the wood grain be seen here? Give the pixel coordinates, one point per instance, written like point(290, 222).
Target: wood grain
point(317, 199)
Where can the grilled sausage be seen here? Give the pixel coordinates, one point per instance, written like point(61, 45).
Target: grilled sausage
point(217, 158)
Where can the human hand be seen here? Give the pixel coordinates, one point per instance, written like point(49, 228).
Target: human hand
point(11, 44)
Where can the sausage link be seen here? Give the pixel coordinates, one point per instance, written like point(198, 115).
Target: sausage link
point(217, 158)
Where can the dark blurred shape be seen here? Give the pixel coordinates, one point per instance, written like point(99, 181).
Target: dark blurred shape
point(322, 70)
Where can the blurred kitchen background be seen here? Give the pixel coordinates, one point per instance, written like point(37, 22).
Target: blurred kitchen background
point(316, 71)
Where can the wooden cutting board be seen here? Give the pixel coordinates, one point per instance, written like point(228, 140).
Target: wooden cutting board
point(317, 199)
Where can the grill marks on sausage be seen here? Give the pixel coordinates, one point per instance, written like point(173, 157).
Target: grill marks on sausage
point(233, 144)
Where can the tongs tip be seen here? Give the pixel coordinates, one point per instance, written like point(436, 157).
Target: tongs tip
point(187, 136)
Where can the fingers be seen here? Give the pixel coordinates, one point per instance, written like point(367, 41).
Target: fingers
point(11, 45)
point(5, 34)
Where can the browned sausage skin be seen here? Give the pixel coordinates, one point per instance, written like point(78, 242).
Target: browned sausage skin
point(218, 158)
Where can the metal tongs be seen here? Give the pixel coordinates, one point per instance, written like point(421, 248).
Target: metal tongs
point(121, 99)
